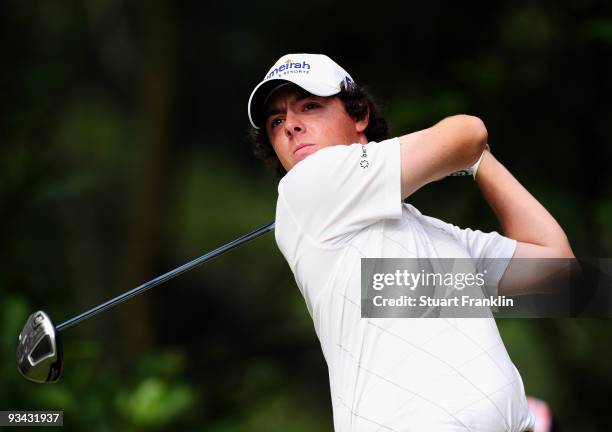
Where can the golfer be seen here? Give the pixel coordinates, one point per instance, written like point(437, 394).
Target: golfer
point(341, 200)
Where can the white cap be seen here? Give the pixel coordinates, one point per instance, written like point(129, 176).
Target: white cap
point(315, 73)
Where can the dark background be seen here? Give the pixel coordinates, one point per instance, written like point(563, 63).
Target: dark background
point(123, 153)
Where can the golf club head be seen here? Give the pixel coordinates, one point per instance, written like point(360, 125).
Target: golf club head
point(39, 350)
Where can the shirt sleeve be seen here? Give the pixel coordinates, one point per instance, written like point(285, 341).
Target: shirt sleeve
point(342, 189)
point(490, 251)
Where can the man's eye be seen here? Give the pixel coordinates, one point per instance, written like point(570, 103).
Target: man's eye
point(310, 105)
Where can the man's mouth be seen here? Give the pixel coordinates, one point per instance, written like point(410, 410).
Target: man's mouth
point(299, 148)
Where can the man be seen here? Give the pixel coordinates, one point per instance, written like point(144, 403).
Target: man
point(342, 200)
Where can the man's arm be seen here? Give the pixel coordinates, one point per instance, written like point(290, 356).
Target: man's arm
point(453, 144)
point(521, 216)
point(525, 220)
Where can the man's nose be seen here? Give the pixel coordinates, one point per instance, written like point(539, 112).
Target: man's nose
point(293, 125)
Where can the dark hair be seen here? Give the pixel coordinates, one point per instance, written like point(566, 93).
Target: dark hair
point(357, 102)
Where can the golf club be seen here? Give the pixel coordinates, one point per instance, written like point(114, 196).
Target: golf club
point(39, 349)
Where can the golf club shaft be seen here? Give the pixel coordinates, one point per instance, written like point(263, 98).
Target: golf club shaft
point(166, 276)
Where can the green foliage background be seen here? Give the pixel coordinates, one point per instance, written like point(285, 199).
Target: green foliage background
point(123, 153)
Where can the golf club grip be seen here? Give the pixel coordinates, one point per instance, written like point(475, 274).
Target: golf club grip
point(166, 276)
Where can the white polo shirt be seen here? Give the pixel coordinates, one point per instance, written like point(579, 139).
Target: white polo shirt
point(342, 204)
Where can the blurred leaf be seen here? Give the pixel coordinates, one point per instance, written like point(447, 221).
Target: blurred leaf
point(416, 112)
point(93, 135)
point(165, 364)
point(531, 356)
point(55, 397)
point(155, 402)
point(71, 186)
point(598, 30)
point(213, 193)
point(529, 28)
point(13, 315)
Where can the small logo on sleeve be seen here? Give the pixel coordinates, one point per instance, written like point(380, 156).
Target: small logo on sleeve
point(364, 163)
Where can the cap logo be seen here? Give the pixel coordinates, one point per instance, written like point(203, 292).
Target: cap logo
point(288, 68)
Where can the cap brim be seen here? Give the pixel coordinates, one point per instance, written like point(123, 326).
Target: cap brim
point(260, 94)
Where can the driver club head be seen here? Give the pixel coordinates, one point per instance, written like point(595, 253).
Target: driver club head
point(39, 350)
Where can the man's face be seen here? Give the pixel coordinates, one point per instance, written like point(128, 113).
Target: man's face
point(299, 124)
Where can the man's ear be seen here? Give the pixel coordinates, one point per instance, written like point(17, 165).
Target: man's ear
point(361, 125)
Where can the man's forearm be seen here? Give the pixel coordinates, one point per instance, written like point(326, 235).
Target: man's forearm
point(521, 216)
point(431, 154)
